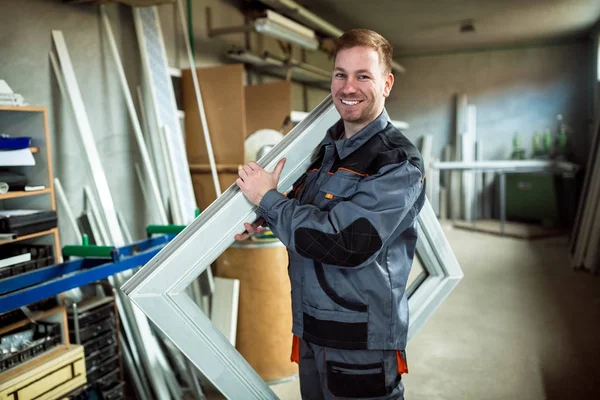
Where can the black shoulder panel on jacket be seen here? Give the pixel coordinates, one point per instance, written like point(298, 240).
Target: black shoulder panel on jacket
point(396, 149)
point(387, 147)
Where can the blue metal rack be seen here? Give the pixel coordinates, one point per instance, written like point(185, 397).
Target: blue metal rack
point(37, 285)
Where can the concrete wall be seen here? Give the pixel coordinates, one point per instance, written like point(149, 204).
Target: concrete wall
point(515, 91)
point(25, 41)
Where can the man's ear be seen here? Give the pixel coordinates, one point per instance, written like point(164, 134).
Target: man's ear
point(389, 82)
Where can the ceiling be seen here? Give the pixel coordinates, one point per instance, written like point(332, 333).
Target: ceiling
point(424, 26)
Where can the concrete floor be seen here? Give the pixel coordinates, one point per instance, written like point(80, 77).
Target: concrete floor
point(520, 325)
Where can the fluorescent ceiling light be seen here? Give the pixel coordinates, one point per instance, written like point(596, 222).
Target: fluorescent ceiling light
point(288, 32)
point(290, 7)
point(289, 24)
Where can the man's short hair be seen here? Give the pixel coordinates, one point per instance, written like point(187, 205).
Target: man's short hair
point(367, 38)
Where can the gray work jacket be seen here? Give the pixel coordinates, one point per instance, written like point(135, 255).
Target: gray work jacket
point(350, 228)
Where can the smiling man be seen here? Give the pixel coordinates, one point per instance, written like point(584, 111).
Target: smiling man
point(349, 224)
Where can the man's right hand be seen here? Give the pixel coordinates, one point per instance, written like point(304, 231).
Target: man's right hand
point(250, 229)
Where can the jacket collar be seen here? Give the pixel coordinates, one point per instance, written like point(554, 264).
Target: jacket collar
point(345, 147)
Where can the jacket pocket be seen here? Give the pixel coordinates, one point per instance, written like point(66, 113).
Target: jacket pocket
point(356, 381)
point(339, 187)
point(330, 292)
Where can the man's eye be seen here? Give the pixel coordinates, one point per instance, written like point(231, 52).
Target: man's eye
point(363, 77)
point(339, 75)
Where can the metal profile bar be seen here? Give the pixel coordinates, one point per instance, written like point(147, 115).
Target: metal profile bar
point(76, 324)
point(159, 288)
point(62, 199)
point(443, 271)
point(173, 198)
point(323, 74)
point(145, 342)
point(140, 177)
point(154, 61)
point(128, 325)
point(205, 131)
point(138, 325)
point(140, 387)
point(95, 213)
point(502, 183)
point(590, 252)
point(508, 166)
point(137, 129)
point(124, 227)
point(592, 165)
point(159, 161)
point(87, 138)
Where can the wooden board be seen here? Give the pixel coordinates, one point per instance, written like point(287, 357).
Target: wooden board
point(267, 106)
point(512, 229)
point(222, 91)
point(49, 376)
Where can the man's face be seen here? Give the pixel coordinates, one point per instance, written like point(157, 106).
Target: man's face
point(359, 85)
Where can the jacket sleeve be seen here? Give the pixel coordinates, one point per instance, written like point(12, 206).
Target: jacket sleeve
point(354, 231)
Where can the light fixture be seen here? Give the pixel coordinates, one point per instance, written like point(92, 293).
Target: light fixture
point(283, 28)
point(271, 24)
point(300, 13)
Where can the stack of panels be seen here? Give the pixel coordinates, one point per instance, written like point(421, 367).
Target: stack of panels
point(96, 329)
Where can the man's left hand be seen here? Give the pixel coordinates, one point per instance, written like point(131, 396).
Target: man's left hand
point(254, 181)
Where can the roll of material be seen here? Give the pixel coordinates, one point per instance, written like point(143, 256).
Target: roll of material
point(3, 187)
point(264, 336)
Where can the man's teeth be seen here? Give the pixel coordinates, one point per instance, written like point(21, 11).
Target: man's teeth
point(350, 103)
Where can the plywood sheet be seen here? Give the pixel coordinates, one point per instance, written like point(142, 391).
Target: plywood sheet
point(267, 106)
point(222, 91)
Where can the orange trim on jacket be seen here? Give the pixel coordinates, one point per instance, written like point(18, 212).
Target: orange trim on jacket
point(402, 367)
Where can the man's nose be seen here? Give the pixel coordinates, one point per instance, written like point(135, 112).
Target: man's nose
point(349, 86)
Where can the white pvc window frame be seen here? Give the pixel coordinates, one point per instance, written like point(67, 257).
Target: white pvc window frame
point(159, 288)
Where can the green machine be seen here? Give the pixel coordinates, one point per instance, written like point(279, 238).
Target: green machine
point(549, 199)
